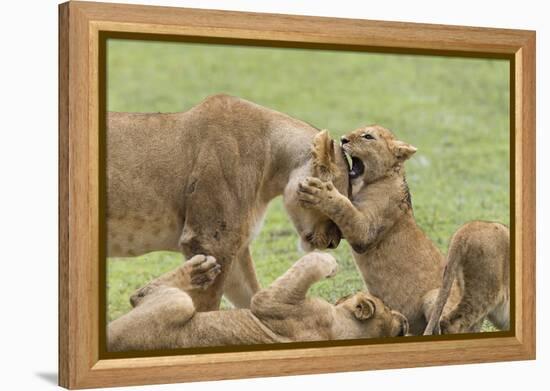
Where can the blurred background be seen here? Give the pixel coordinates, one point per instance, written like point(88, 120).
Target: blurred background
point(454, 110)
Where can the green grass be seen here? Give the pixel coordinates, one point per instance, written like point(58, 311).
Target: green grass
point(455, 111)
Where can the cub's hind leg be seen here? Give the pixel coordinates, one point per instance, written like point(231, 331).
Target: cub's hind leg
point(161, 307)
point(152, 323)
point(500, 315)
point(289, 290)
point(429, 305)
point(478, 296)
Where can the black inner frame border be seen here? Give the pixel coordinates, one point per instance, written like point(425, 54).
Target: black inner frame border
point(104, 36)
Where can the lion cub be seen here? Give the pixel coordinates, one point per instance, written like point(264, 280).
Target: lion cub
point(398, 262)
point(164, 317)
point(479, 257)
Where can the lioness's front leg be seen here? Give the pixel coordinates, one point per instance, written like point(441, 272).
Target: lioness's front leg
point(241, 283)
point(217, 234)
point(361, 227)
point(291, 288)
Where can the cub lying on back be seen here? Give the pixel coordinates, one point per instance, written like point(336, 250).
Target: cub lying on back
point(164, 317)
point(398, 262)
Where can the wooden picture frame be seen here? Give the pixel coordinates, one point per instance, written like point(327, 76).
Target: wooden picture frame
point(82, 27)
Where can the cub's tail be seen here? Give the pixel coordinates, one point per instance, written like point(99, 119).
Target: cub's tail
point(455, 254)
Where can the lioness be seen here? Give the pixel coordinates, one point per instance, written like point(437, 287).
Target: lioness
point(164, 317)
point(200, 181)
point(398, 262)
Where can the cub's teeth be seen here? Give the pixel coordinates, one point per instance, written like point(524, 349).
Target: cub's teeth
point(348, 158)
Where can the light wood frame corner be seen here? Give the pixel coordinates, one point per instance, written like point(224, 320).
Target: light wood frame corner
point(80, 27)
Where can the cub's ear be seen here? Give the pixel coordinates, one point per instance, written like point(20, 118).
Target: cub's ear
point(402, 150)
point(323, 156)
point(364, 308)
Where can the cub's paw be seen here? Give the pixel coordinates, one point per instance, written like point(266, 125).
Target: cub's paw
point(139, 295)
point(202, 271)
point(313, 192)
point(324, 262)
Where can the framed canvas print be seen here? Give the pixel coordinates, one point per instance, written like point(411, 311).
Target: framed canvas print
point(248, 195)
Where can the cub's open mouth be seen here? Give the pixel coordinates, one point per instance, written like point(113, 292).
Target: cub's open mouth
point(357, 166)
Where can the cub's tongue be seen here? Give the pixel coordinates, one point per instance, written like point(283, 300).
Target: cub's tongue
point(357, 168)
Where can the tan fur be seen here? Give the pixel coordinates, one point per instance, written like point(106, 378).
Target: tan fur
point(479, 256)
point(200, 182)
point(164, 317)
point(398, 262)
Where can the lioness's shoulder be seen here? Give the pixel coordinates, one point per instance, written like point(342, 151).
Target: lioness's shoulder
point(220, 99)
point(226, 102)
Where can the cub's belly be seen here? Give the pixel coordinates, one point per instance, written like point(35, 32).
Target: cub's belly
point(136, 234)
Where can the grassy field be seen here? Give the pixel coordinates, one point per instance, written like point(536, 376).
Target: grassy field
point(455, 111)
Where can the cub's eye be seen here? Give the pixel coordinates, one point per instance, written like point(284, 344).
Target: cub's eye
point(368, 136)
